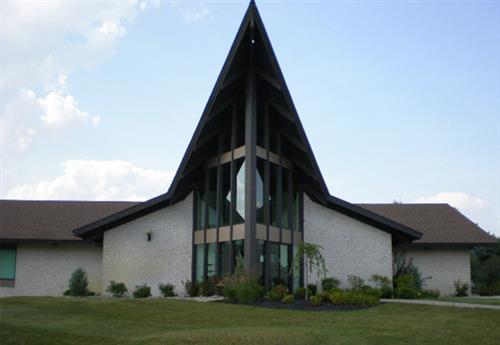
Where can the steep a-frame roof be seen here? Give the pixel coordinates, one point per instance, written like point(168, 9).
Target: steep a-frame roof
point(229, 84)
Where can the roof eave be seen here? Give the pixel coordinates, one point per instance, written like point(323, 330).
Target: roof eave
point(373, 219)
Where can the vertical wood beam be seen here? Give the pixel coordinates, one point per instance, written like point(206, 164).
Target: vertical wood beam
point(205, 226)
point(267, 213)
point(234, 133)
point(218, 202)
point(250, 161)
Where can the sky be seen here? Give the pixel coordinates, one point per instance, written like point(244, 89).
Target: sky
point(400, 99)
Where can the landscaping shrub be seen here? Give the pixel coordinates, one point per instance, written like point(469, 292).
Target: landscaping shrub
point(243, 290)
point(489, 290)
point(208, 286)
point(167, 290)
point(406, 287)
point(352, 297)
point(461, 288)
point(485, 270)
point(338, 297)
point(324, 296)
point(403, 266)
point(116, 289)
point(288, 299)
point(142, 291)
point(300, 293)
point(384, 284)
point(78, 284)
point(312, 289)
point(277, 293)
point(192, 288)
point(371, 291)
point(430, 293)
point(355, 282)
point(315, 301)
point(330, 283)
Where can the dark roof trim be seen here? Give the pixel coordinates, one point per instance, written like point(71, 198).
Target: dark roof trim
point(371, 218)
point(213, 96)
point(288, 98)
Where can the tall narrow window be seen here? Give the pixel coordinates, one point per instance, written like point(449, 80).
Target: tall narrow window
point(260, 191)
point(240, 192)
point(212, 198)
point(285, 205)
point(226, 195)
point(211, 263)
point(225, 258)
point(200, 259)
point(200, 213)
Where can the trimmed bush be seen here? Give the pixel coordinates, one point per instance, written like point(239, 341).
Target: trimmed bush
point(489, 290)
point(371, 291)
point(430, 293)
point(406, 287)
point(337, 297)
point(208, 286)
point(78, 284)
point(288, 299)
point(384, 284)
point(461, 288)
point(167, 290)
point(116, 289)
point(324, 296)
point(277, 293)
point(315, 301)
point(352, 297)
point(355, 282)
point(142, 291)
point(300, 293)
point(242, 290)
point(192, 288)
point(330, 283)
point(313, 289)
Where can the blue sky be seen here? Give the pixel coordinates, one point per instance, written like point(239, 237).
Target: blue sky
point(400, 100)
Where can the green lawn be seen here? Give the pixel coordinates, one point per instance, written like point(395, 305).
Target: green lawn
point(157, 321)
point(473, 300)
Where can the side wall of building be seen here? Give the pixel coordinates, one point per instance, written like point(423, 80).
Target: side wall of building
point(43, 269)
point(130, 258)
point(443, 266)
point(350, 246)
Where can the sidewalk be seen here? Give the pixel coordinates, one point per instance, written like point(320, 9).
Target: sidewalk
point(439, 303)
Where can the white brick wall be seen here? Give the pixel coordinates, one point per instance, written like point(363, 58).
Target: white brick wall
point(350, 246)
point(44, 269)
point(129, 258)
point(443, 265)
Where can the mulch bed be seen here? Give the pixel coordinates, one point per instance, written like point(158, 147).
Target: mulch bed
point(306, 305)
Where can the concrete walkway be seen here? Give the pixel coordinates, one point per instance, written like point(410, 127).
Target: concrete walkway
point(440, 303)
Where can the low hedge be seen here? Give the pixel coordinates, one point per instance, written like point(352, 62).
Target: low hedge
point(353, 298)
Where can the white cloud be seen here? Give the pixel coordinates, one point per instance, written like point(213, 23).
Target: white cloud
point(43, 42)
point(97, 180)
point(190, 11)
point(59, 109)
point(459, 200)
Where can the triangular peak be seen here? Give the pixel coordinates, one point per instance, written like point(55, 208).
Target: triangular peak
point(222, 127)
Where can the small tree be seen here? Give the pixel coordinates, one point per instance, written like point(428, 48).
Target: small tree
point(78, 283)
point(310, 256)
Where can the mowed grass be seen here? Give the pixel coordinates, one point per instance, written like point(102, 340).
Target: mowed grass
point(158, 321)
point(473, 300)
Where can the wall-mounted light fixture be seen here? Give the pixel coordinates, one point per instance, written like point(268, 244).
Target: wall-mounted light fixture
point(148, 234)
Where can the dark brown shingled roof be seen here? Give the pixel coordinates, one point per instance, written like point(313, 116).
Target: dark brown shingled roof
point(51, 220)
point(438, 223)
